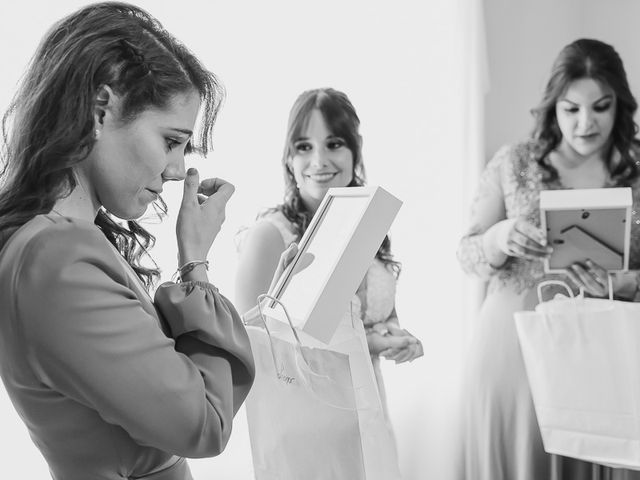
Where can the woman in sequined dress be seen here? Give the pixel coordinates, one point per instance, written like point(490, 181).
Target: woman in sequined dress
point(584, 137)
point(323, 149)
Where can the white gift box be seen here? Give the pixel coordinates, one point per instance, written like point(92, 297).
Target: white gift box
point(586, 224)
point(334, 254)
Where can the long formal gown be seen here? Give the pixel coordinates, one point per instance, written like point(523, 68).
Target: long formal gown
point(501, 439)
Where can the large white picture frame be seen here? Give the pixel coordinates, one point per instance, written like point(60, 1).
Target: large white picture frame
point(333, 256)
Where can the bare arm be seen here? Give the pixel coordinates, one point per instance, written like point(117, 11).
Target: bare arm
point(259, 256)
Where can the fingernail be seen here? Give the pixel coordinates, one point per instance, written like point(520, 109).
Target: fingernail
point(192, 171)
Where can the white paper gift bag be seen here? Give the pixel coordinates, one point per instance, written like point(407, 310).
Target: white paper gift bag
point(301, 426)
point(582, 357)
point(314, 411)
point(378, 442)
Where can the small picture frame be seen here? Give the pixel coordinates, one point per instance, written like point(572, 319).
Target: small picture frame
point(586, 224)
point(333, 256)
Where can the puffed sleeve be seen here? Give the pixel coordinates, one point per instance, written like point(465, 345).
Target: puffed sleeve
point(89, 337)
point(487, 209)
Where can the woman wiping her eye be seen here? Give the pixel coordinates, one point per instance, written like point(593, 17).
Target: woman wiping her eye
point(110, 382)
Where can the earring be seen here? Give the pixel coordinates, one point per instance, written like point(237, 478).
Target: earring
point(97, 133)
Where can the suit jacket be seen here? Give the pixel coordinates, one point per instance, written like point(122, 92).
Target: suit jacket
point(110, 383)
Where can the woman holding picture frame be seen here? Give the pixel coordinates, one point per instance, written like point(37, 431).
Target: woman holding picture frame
point(584, 137)
point(323, 149)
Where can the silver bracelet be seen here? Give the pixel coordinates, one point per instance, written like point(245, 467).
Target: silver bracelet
point(186, 268)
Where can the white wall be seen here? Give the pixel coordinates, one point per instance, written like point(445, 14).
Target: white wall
point(523, 40)
point(401, 63)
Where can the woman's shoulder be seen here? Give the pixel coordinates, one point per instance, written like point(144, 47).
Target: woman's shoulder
point(285, 226)
point(634, 155)
point(514, 162)
point(267, 223)
point(54, 229)
point(276, 217)
point(515, 154)
point(55, 241)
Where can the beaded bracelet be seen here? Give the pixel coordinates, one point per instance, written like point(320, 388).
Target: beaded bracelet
point(188, 267)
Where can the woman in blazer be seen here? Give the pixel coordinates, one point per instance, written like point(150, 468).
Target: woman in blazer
point(110, 382)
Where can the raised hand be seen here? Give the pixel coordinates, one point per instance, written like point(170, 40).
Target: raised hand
point(201, 215)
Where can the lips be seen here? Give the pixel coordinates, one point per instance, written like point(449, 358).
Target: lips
point(154, 193)
point(321, 177)
point(588, 137)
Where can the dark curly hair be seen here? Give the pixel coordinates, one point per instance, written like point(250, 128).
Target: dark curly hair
point(48, 128)
point(588, 58)
point(341, 118)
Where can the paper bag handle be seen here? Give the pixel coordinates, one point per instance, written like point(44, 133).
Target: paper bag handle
point(546, 283)
point(295, 334)
point(293, 329)
point(286, 314)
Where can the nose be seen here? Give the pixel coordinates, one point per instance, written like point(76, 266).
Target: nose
point(585, 120)
point(318, 157)
point(175, 170)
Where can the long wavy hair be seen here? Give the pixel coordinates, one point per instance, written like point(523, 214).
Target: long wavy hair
point(48, 128)
point(588, 58)
point(342, 120)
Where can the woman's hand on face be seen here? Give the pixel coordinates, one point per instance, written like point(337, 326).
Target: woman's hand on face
point(592, 278)
point(201, 215)
point(523, 239)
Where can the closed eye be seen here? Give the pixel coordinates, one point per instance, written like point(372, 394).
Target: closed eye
point(171, 143)
point(602, 108)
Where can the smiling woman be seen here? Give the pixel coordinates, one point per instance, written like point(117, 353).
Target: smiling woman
point(321, 160)
point(110, 382)
point(323, 149)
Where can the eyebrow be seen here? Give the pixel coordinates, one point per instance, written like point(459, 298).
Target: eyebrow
point(605, 97)
point(328, 137)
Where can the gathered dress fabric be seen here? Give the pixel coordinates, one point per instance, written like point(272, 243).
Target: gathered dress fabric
point(500, 436)
point(111, 383)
